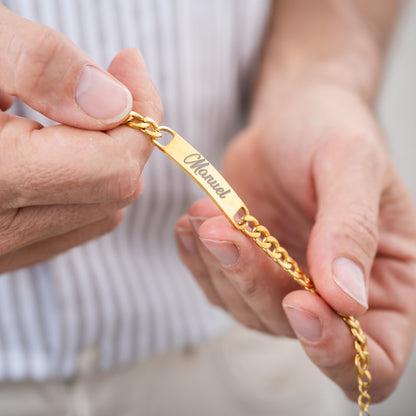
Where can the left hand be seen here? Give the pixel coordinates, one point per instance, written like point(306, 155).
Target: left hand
point(317, 174)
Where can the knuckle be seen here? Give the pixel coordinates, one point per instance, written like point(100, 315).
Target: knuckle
point(126, 185)
point(112, 222)
point(16, 163)
point(355, 226)
point(9, 231)
point(32, 59)
point(362, 228)
point(247, 285)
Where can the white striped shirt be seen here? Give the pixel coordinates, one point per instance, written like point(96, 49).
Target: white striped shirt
point(127, 294)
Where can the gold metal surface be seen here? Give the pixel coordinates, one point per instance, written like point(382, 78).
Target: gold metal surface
point(203, 173)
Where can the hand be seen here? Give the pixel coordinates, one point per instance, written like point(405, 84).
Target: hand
point(63, 185)
point(316, 172)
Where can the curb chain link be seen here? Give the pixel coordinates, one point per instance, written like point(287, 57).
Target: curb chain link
point(145, 124)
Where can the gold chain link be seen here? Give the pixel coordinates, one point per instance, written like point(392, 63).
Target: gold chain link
point(145, 124)
point(251, 227)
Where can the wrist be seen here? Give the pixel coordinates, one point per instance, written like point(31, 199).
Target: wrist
point(357, 73)
point(323, 42)
point(356, 66)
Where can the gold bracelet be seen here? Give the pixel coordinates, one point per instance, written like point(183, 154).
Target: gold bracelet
point(227, 200)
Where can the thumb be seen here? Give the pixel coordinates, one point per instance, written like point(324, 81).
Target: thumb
point(129, 67)
point(52, 75)
point(344, 238)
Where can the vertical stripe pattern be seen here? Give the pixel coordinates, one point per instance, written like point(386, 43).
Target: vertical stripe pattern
point(127, 294)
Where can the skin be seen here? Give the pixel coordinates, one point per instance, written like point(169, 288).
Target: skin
point(313, 167)
point(63, 185)
point(323, 183)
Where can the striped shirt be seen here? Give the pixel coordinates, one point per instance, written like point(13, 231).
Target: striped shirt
point(126, 294)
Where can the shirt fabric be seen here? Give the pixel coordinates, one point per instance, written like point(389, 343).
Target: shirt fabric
point(126, 294)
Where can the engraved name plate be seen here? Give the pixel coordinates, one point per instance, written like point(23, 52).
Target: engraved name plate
point(202, 171)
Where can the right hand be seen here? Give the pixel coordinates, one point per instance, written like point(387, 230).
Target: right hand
point(63, 185)
point(322, 181)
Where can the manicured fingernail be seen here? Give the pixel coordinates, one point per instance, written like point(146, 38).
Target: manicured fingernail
point(305, 324)
point(187, 240)
point(350, 278)
point(225, 251)
point(101, 96)
point(196, 222)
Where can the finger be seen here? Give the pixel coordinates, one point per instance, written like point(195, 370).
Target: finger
point(25, 226)
point(214, 280)
point(5, 101)
point(129, 68)
point(217, 289)
point(46, 249)
point(324, 336)
point(218, 256)
point(349, 178)
point(329, 343)
point(187, 243)
point(64, 165)
point(258, 284)
point(249, 282)
point(52, 75)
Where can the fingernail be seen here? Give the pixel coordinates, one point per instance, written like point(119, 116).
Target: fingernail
point(187, 240)
point(350, 278)
point(101, 96)
point(196, 222)
point(305, 324)
point(225, 252)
